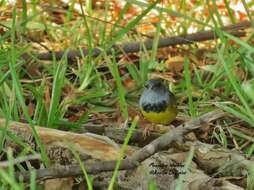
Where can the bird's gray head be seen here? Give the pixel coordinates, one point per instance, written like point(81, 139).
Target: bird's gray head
point(156, 91)
point(156, 85)
point(156, 96)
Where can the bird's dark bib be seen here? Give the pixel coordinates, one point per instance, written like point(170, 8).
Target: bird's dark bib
point(156, 107)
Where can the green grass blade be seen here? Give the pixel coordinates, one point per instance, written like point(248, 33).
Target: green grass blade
point(118, 22)
point(4, 177)
point(250, 178)
point(33, 180)
point(217, 13)
point(17, 87)
point(239, 41)
point(246, 7)
point(133, 70)
point(88, 179)
point(236, 112)
point(233, 80)
point(180, 180)
point(113, 67)
point(188, 86)
point(58, 83)
point(131, 25)
point(230, 12)
point(122, 151)
point(170, 12)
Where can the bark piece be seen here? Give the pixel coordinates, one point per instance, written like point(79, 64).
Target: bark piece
point(56, 142)
point(163, 170)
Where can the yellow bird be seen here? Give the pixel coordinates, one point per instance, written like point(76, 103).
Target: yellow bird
point(157, 103)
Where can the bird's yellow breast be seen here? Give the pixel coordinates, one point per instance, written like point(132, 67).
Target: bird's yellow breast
point(164, 117)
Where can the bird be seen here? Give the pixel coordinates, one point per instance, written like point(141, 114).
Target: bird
point(157, 102)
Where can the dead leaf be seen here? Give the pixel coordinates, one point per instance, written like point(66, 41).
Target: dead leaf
point(174, 64)
point(59, 184)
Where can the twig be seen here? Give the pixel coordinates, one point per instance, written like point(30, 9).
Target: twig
point(118, 133)
point(5, 164)
point(131, 162)
point(163, 42)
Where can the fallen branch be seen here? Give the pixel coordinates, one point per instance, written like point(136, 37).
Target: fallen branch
point(163, 42)
point(130, 162)
point(118, 134)
point(5, 164)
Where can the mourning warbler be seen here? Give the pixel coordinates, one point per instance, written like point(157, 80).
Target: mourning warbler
point(157, 103)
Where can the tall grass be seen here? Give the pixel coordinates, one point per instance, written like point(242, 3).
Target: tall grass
point(91, 89)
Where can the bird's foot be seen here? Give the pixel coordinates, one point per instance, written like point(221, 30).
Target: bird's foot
point(146, 132)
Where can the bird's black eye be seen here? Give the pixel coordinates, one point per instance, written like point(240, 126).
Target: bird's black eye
point(158, 85)
point(146, 85)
